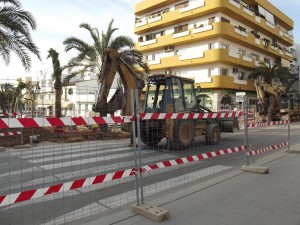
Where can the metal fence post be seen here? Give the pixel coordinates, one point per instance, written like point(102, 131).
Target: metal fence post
point(134, 148)
point(246, 144)
point(289, 123)
point(140, 166)
point(22, 137)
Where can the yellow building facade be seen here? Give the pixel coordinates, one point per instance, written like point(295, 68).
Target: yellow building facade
point(215, 42)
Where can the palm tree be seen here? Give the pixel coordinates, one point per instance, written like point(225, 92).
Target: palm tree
point(92, 57)
point(16, 25)
point(57, 74)
point(266, 73)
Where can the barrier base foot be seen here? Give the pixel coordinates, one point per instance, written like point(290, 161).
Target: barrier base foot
point(255, 169)
point(293, 151)
point(2, 149)
point(151, 212)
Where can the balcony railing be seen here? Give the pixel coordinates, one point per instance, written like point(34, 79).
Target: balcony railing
point(181, 34)
point(202, 29)
point(192, 5)
point(144, 43)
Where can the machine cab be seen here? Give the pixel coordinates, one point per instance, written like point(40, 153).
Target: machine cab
point(169, 93)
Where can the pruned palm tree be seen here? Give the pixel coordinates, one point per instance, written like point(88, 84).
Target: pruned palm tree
point(92, 58)
point(16, 24)
point(57, 77)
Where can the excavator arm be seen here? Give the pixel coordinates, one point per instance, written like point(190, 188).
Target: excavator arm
point(114, 65)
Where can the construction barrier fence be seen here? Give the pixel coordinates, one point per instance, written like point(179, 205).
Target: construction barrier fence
point(73, 167)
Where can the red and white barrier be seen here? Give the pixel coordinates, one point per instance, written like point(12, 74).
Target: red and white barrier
point(13, 133)
point(77, 121)
point(85, 182)
point(180, 116)
point(266, 149)
point(62, 122)
point(194, 158)
point(265, 124)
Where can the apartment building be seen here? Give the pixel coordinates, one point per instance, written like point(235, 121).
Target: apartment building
point(215, 42)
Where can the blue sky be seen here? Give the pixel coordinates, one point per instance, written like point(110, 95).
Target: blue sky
point(59, 19)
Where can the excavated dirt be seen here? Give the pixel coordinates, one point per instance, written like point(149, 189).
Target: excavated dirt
point(61, 135)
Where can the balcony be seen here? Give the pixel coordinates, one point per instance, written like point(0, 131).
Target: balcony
point(147, 6)
point(149, 42)
point(220, 29)
point(181, 34)
point(192, 5)
point(202, 29)
point(229, 7)
point(228, 82)
point(208, 57)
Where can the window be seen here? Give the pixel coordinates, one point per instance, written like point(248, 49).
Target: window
point(66, 94)
point(225, 46)
point(242, 52)
point(243, 29)
point(255, 56)
point(141, 39)
point(266, 60)
point(235, 70)
point(225, 20)
point(224, 71)
point(165, 11)
point(211, 20)
point(213, 45)
point(169, 48)
point(189, 96)
point(79, 108)
point(182, 5)
point(150, 37)
point(180, 28)
point(161, 33)
point(151, 57)
point(70, 91)
point(241, 75)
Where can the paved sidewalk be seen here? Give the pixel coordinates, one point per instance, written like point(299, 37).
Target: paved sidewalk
point(236, 198)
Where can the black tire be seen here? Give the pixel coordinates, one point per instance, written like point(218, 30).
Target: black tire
point(150, 136)
point(212, 135)
point(183, 134)
point(230, 126)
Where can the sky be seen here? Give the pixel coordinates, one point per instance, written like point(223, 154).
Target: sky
point(60, 19)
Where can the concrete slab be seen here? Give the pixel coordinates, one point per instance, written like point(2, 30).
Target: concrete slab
point(22, 146)
point(293, 151)
point(255, 169)
point(151, 212)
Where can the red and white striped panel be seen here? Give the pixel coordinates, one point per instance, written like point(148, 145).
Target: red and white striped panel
point(85, 182)
point(66, 121)
point(194, 158)
point(13, 133)
point(269, 148)
point(59, 188)
point(252, 125)
point(180, 116)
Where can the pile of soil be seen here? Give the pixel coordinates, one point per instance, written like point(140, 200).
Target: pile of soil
point(61, 135)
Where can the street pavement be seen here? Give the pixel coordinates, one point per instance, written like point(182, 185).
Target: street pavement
point(236, 198)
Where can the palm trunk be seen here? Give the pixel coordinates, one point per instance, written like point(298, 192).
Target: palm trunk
point(58, 91)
